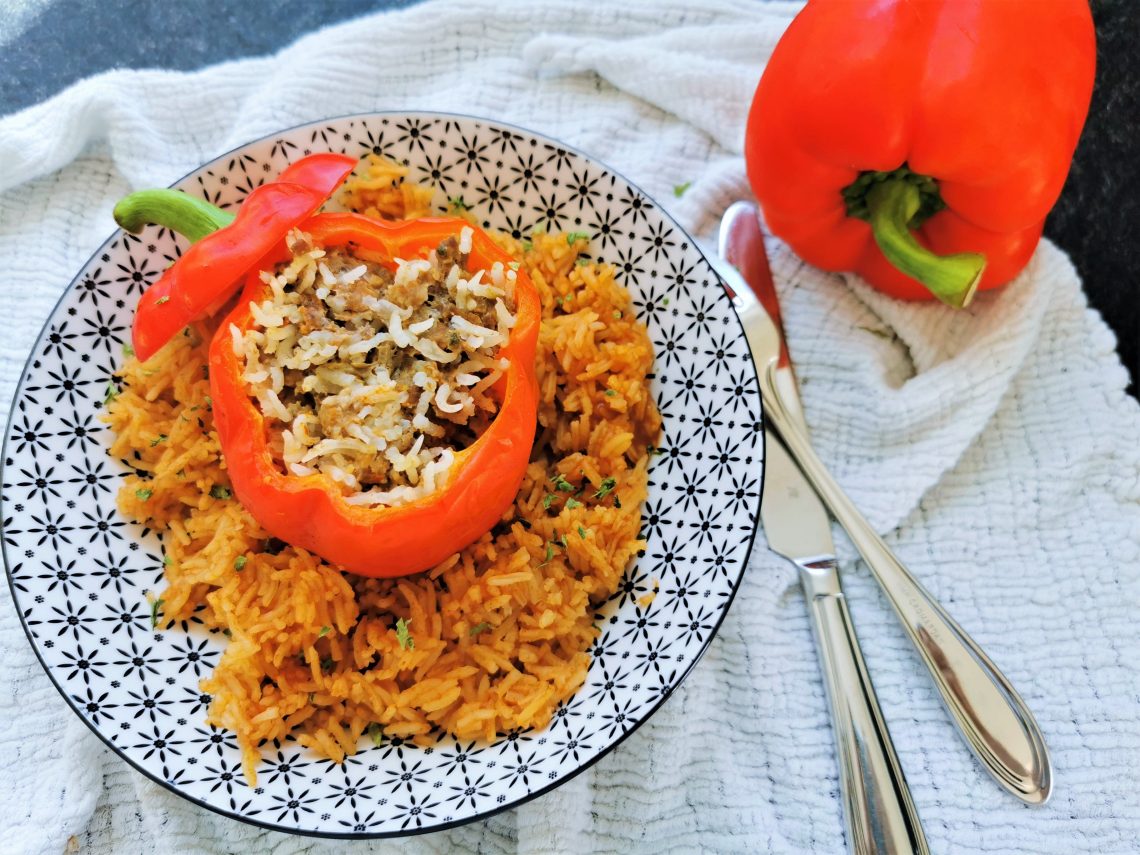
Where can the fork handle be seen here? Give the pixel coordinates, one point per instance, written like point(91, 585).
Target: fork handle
point(996, 723)
point(879, 812)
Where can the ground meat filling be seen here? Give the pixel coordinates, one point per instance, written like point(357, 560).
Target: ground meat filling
point(372, 377)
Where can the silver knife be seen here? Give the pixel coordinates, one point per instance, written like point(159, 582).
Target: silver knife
point(996, 723)
point(877, 806)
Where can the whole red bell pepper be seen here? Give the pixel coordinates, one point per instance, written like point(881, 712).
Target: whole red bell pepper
point(309, 511)
point(920, 143)
point(225, 246)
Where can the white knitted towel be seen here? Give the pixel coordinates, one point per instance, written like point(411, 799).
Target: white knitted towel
point(996, 446)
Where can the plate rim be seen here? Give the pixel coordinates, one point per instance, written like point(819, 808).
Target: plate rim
point(510, 805)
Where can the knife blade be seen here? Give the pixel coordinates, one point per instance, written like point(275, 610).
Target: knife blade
point(878, 809)
point(991, 716)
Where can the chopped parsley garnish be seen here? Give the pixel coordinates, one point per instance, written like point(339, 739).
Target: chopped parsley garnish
point(549, 552)
point(560, 483)
point(581, 532)
point(403, 636)
point(376, 732)
point(111, 394)
point(128, 351)
point(606, 488)
point(581, 262)
point(664, 301)
point(514, 265)
point(456, 203)
point(220, 492)
point(239, 563)
point(143, 493)
point(548, 500)
point(562, 540)
point(572, 503)
point(574, 237)
point(609, 393)
point(155, 607)
point(161, 300)
point(679, 189)
point(327, 665)
point(166, 562)
point(160, 438)
point(527, 244)
point(325, 630)
point(478, 628)
point(617, 314)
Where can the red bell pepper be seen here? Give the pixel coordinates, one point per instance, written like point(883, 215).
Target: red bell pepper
point(310, 511)
point(225, 246)
point(921, 143)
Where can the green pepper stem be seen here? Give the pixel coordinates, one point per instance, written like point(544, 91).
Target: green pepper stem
point(953, 279)
point(179, 212)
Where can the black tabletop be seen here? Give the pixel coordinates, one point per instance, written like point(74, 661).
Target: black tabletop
point(1096, 220)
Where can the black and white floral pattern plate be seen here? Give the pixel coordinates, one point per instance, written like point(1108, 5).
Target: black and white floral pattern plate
point(80, 572)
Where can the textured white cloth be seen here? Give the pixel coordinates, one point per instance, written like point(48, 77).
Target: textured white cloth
point(996, 446)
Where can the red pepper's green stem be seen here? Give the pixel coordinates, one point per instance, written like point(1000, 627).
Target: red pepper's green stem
point(190, 217)
point(953, 279)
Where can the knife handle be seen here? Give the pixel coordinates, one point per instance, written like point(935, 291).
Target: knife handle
point(880, 814)
point(996, 723)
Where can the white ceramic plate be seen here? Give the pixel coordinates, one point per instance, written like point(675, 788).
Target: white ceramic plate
point(79, 571)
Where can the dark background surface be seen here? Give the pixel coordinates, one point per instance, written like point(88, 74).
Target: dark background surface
point(1097, 219)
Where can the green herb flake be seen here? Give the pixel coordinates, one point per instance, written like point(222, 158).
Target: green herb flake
point(158, 439)
point(560, 483)
point(606, 488)
point(456, 203)
point(679, 189)
point(572, 503)
point(161, 300)
point(514, 265)
point(155, 608)
point(143, 493)
point(617, 314)
point(128, 351)
point(548, 500)
point(240, 562)
point(478, 628)
point(610, 392)
point(220, 492)
point(562, 540)
point(549, 552)
point(325, 630)
point(376, 733)
point(166, 562)
point(403, 636)
point(327, 665)
point(664, 301)
point(111, 394)
point(581, 532)
point(527, 245)
point(574, 237)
